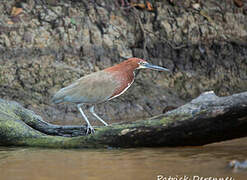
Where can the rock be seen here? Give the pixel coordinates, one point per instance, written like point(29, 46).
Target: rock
point(237, 165)
point(167, 27)
point(28, 37)
point(4, 40)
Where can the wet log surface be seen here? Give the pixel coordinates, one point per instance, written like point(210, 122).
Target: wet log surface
point(204, 120)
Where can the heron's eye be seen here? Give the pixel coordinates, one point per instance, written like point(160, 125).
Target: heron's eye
point(142, 63)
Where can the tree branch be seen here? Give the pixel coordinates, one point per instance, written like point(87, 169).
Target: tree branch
point(204, 120)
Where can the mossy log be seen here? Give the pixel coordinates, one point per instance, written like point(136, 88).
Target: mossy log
point(204, 120)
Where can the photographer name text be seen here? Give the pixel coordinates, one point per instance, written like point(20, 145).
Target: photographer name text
point(162, 177)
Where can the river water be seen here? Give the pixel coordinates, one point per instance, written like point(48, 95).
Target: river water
point(186, 163)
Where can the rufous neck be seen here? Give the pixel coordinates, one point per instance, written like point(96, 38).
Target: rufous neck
point(124, 67)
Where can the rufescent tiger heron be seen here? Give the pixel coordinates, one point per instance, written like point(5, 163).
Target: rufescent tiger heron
point(102, 86)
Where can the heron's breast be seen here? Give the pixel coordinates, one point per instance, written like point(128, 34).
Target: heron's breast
point(125, 80)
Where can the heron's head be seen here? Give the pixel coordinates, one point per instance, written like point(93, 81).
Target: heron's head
point(142, 64)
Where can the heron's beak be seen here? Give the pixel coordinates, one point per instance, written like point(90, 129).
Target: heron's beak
point(154, 67)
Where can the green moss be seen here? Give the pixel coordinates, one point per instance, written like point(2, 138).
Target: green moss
point(164, 121)
point(14, 119)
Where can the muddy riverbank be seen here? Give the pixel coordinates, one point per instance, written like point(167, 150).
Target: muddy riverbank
point(44, 47)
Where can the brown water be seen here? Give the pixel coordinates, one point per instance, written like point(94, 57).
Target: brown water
point(122, 164)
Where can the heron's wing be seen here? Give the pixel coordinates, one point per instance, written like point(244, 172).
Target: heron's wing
point(94, 88)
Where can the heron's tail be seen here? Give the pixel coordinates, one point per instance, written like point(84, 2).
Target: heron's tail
point(58, 97)
point(56, 101)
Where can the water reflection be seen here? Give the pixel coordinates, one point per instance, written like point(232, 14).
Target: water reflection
point(141, 163)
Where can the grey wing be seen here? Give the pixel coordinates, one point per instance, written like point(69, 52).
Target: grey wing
point(93, 88)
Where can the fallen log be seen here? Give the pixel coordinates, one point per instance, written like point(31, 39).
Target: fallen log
point(204, 120)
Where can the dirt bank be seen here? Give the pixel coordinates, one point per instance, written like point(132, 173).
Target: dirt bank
point(44, 47)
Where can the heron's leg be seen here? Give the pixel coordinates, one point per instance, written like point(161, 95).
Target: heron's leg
point(101, 120)
point(89, 127)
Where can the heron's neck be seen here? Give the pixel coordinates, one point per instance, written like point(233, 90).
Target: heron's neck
point(124, 68)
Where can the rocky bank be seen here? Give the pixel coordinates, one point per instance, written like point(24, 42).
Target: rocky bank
point(46, 46)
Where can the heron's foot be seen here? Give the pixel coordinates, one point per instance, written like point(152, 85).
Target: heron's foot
point(90, 130)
